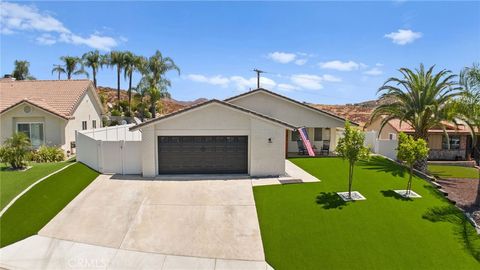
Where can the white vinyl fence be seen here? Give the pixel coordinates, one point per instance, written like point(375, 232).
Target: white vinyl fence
point(110, 150)
point(386, 148)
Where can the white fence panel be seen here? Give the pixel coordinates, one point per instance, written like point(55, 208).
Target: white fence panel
point(110, 149)
point(87, 151)
point(387, 148)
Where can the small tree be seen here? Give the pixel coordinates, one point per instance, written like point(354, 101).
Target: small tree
point(411, 151)
point(351, 148)
point(15, 150)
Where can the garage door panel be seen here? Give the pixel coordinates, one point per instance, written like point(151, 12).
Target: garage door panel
point(202, 154)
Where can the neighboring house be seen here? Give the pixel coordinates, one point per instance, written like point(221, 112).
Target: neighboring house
point(250, 134)
point(457, 146)
point(48, 111)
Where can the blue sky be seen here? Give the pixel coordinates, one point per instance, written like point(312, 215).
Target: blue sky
point(324, 52)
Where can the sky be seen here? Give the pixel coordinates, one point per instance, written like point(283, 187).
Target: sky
point(318, 52)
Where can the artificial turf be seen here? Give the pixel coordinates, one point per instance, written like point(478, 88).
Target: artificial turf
point(307, 226)
point(14, 182)
point(40, 204)
point(445, 171)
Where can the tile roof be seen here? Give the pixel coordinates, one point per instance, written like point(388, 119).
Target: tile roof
point(59, 97)
point(400, 126)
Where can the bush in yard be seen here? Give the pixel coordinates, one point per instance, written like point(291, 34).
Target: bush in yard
point(116, 112)
point(48, 154)
point(351, 148)
point(15, 149)
point(410, 151)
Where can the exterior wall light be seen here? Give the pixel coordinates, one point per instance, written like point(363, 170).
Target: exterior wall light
point(269, 140)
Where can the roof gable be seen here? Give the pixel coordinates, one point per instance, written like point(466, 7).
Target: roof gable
point(213, 101)
point(287, 99)
point(60, 97)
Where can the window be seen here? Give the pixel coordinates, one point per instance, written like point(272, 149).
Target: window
point(94, 123)
point(317, 134)
point(295, 136)
point(84, 125)
point(454, 142)
point(34, 132)
point(392, 136)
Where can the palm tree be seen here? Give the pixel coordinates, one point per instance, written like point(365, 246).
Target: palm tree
point(58, 69)
point(95, 61)
point(21, 70)
point(420, 98)
point(154, 72)
point(72, 66)
point(117, 59)
point(132, 63)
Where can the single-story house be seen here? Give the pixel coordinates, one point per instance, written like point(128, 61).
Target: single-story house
point(457, 146)
point(47, 111)
point(251, 133)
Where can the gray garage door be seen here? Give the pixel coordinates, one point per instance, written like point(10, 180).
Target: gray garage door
point(202, 154)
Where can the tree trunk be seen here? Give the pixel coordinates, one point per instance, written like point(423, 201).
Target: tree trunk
point(94, 77)
point(409, 184)
point(421, 165)
point(130, 92)
point(350, 180)
point(152, 108)
point(118, 85)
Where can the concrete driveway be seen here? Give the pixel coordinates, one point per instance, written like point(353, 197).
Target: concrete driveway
point(207, 218)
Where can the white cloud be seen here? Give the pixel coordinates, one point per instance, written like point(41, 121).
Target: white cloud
point(341, 66)
point(307, 81)
point(242, 83)
point(16, 18)
point(214, 80)
point(373, 72)
point(301, 62)
point(403, 36)
point(282, 57)
point(46, 39)
point(287, 87)
point(239, 82)
point(331, 78)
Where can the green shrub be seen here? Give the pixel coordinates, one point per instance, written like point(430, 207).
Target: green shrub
point(48, 154)
point(147, 114)
point(14, 151)
point(115, 112)
point(127, 114)
point(113, 123)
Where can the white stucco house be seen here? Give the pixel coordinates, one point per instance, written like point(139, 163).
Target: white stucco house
point(251, 133)
point(48, 112)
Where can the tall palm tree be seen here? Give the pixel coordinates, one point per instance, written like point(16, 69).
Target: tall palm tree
point(132, 63)
point(157, 66)
point(95, 61)
point(117, 59)
point(469, 105)
point(73, 66)
point(421, 98)
point(21, 70)
point(58, 69)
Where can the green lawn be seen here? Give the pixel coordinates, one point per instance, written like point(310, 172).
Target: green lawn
point(40, 204)
point(307, 226)
point(443, 171)
point(14, 182)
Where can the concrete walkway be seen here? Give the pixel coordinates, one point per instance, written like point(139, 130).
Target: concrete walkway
point(293, 174)
point(39, 252)
point(121, 223)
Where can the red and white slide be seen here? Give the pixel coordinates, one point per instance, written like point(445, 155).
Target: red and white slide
point(306, 141)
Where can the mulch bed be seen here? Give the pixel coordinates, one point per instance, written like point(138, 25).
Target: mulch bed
point(464, 192)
